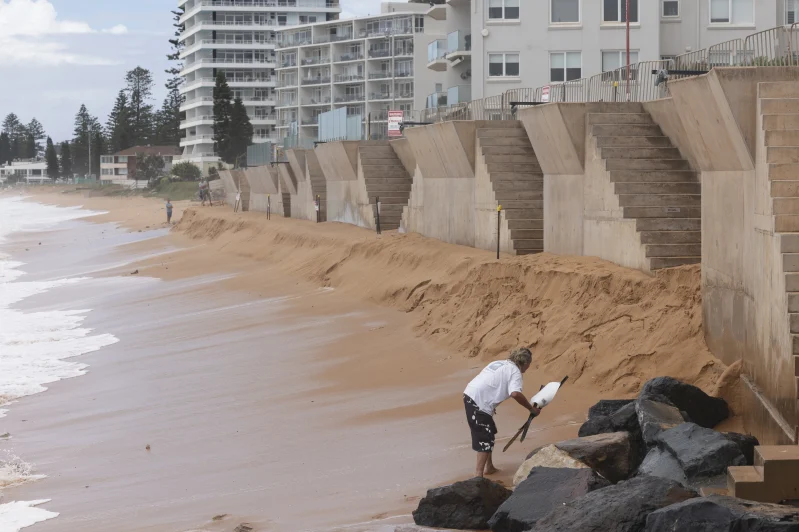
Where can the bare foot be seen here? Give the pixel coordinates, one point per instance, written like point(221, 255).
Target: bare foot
point(491, 470)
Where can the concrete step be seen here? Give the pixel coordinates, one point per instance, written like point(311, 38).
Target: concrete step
point(660, 200)
point(780, 122)
point(619, 118)
point(658, 263)
point(380, 148)
point(516, 195)
point(654, 176)
point(503, 132)
point(507, 185)
point(384, 170)
point(522, 252)
point(526, 224)
point(505, 141)
point(517, 176)
point(674, 250)
point(635, 142)
point(646, 164)
point(792, 282)
point(626, 130)
point(782, 155)
point(640, 153)
point(393, 199)
point(662, 212)
point(785, 189)
point(793, 306)
point(512, 159)
point(522, 204)
point(782, 138)
point(658, 188)
point(790, 263)
point(508, 150)
point(523, 214)
point(528, 244)
point(786, 206)
point(780, 468)
point(778, 106)
point(671, 237)
point(668, 224)
point(783, 172)
point(786, 223)
point(778, 89)
point(388, 190)
point(744, 482)
point(789, 243)
point(527, 234)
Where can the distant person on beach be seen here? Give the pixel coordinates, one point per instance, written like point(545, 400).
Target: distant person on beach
point(496, 383)
point(168, 211)
point(203, 190)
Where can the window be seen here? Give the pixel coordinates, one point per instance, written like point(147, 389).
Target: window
point(122, 159)
point(732, 12)
point(307, 19)
point(565, 66)
point(503, 65)
point(671, 9)
point(282, 20)
point(617, 59)
point(503, 9)
point(418, 23)
point(791, 6)
point(564, 11)
point(616, 11)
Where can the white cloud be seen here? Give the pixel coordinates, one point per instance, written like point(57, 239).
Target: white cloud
point(31, 33)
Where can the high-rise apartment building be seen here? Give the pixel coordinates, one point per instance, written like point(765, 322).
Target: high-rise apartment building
point(368, 65)
point(527, 44)
point(237, 38)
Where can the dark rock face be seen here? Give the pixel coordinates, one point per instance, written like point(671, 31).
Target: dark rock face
point(745, 443)
point(654, 418)
point(466, 505)
point(718, 513)
point(704, 410)
point(660, 463)
point(607, 407)
point(623, 507)
point(701, 452)
point(610, 455)
point(545, 489)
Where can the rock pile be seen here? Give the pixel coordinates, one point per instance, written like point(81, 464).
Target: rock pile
point(637, 465)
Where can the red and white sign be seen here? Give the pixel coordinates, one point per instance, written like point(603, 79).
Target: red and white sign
point(394, 123)
point(545, 93)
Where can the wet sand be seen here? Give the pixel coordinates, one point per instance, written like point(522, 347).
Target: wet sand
point(263, 398)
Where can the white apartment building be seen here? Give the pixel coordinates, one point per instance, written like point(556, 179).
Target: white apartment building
point(237, 38)
point(30, 171)
point(370, 65)
point(528, 44)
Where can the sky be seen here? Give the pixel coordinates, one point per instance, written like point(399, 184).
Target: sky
point(58, 54)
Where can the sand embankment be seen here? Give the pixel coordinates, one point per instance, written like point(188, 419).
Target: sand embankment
point(605, 326)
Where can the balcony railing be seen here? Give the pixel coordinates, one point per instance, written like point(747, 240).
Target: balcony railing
point(310, 121)
point(459, 94)
point(288, 82)
point(404, 74)
point(344, 78)
point(459, 41)
point(316, 81)
point(319, 101)
point(201, 99)
point(251, 79)
point(379, 52)
point(349, 98)
point(380, 96)
point(350, 57)
point(288, 64)
point(437, 99)
point(315, 60)
point(380, 75)
point(436, 50)
point(329, 4)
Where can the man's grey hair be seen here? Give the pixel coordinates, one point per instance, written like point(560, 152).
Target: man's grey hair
point(521, 356)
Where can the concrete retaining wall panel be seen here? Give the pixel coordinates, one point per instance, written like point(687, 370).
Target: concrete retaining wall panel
point(405, 153)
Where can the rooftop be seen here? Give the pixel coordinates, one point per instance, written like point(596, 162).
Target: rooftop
point(151, 150)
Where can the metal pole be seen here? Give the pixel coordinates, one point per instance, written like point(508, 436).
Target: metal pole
point(318, 209)
point(628, 50)
point(499, 224)
point(89, 135)
point(377, 206)
point(268, 206)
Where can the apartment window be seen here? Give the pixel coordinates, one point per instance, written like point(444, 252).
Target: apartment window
point(503, 9)
point(732, 12)
point(670, 9)
point(122, 159)
point(791, 7)
point(565, 66)
point(616, 11)
point(282, 20)
point(406, 107)
point(616, 59)
point(564, 11)
point(307, 19)
point(418, 24)
point(503, 65)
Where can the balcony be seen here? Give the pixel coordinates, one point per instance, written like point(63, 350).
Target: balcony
point(349, 78)
point(459, 94)
point(374, 96)
point(436, 100)
point(308, 61)
point(436, 55)
point(250, 81)
point(404, 74)
point(437, 12)
point(349, 98)
point(325, 100)
point(288, 64)
point(263, 119)
point(378, 53)
point(403, 50)
point(459, 46)
point(194, 121)
point(403, 95)
point(259, 139)
point(350, 57)
point(310, 121)
point(286, 83)
point(196, 102)
point(197, 139)
point(380, 75)
point(216, 4)
point(320, 80)
point(227, 45)
point(287, 103)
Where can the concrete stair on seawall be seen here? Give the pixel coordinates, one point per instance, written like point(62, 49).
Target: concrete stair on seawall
point(655, 186)
point(774, 478)
point(518, 184)
point(387, 179)
point(779, 110)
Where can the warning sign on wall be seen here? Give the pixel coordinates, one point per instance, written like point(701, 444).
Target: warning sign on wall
point(394, 123)
point(545, 93)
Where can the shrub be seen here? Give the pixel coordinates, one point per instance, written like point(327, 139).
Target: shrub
point(186, 171)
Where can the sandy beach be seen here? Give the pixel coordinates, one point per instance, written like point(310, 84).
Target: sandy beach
point(303, 377)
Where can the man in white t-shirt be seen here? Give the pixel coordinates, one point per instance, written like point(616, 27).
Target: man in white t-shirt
point(497, 382)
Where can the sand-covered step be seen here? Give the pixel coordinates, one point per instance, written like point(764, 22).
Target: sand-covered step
point(782, 138)
point(526, 158)
point(777, 106)
point(528, 244)
point(668, 224)
point(525, 223)
point(673, 250)
point(504, 141)
point(660, 200)
point(778, 89)
point(784, 189)
point(657, 188)
point(640, 153)
point(662, 212)
point(780, 122)
point(659, 263)
point(786, 223)
point(653, 176)
point(646, 164)
point(486, 133)
point(782, 154)
point(527, 234)
point(508, 150)
point(619, 118)
point(633, 142)
point(626, 130)
point(671, 237)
